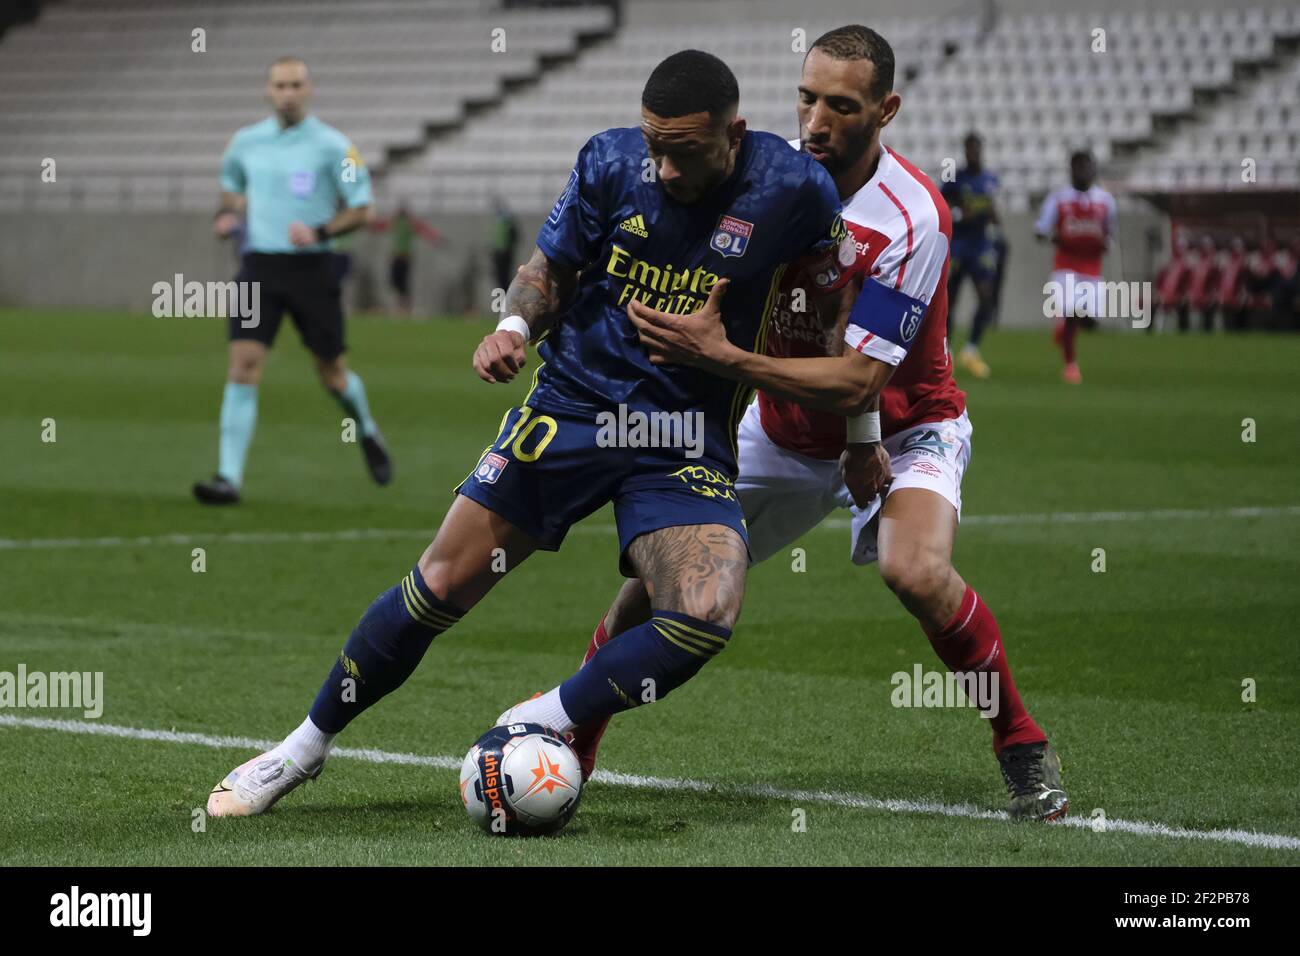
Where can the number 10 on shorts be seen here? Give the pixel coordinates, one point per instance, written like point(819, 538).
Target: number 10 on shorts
point(522, 432)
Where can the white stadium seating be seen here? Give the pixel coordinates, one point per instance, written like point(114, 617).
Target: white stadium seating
point(136, 119)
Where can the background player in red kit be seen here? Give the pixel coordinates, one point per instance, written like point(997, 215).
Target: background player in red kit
point(798, 464)
point(1079, 220)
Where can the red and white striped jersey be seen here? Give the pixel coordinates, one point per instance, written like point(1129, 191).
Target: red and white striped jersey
point(1082, 225)
point(902, 229)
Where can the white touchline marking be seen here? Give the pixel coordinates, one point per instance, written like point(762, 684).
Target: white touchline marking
point(397, 534)
point(231, 537)
point(1271, 841)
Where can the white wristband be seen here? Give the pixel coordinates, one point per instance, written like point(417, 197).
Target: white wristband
point(515, 323)
point(865, 428)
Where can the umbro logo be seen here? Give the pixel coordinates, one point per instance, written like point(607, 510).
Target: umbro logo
point(635, 225)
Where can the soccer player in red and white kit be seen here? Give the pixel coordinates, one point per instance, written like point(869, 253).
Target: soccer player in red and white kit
point(794, 459)
point(1080, 221)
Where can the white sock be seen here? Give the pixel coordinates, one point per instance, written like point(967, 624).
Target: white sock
point(308, 746)
point(547, 711)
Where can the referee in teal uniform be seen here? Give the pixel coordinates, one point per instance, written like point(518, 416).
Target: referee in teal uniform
point(298, 182)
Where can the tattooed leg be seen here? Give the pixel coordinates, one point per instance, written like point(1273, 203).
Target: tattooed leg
point(698, 570)
point(695, 576)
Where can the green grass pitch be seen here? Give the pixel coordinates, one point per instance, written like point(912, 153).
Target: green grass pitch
point(1137, 673)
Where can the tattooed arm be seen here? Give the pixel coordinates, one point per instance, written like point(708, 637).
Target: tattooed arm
point(535, 295)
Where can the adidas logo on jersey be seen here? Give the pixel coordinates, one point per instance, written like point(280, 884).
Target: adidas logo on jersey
point(635, 225)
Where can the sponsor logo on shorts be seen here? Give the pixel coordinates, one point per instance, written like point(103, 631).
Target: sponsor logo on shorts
point(926, 468)
point(929, 441)
point(708, 482)
point(490, 468)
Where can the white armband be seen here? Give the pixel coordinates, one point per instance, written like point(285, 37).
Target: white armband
point(864, 428)
point(515, 323)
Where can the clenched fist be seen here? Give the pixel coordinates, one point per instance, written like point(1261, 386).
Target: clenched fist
point(866, 471)
point(500, 356)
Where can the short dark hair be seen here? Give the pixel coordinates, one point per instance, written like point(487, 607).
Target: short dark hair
point(1082, 156)
point(856, 42)
point(691, 81)
point(281, 60)
point(973, 137)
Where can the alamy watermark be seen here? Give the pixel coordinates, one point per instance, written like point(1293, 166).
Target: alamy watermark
point(74, 908)
point(635, 429)
point(208, 300)
point(79, 690)
point(922, 688)
point(1096, 298)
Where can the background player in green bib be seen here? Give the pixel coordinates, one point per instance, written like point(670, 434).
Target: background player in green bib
point(402, 228)
point(299, 183)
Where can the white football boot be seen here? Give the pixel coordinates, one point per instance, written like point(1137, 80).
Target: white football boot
point(526, 712)
point(252, 787)
point(518, 714)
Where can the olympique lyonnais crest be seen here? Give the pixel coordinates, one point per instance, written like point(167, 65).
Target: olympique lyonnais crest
point(732, 236)
point(490, 468)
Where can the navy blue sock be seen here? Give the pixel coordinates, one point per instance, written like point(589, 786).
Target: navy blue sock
point(644, 664)
point(983, 316)
point(384, 650)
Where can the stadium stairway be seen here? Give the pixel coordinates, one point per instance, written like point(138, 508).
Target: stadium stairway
point(1250, 128)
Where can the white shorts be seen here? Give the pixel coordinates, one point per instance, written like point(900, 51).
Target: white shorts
point(785, 494)
point(1082, 296)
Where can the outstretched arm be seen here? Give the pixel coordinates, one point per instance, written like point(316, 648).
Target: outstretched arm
point(426, 232)
point(533, 301)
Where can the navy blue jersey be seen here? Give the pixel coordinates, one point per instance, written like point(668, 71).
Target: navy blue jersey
point(630, 239)
point(971, 197)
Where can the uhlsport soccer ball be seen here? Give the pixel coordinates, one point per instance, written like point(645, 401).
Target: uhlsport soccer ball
point(520, 780)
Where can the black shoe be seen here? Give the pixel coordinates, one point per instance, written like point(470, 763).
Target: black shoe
point(1032, 773)
point(216, 491)
point(377, 458)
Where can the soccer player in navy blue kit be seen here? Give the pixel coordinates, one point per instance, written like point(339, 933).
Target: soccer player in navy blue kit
point(975, 249)
point(289, 173)
point(670, 214)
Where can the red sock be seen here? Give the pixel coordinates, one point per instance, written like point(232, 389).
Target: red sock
point(972, 642)
point(598, 640)
point(1068, 336)
point(586, 737)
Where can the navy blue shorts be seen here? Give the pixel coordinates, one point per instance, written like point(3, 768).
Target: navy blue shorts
point(976, 257)
point(546, 472)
